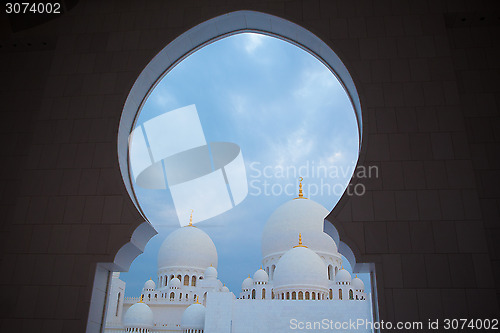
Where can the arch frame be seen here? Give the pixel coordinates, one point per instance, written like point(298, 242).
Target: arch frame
point(177, 50)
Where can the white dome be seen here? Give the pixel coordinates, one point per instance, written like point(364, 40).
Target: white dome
point(260, 276)
point(138, 315)
point(357, 284)
point(210, 273)
point(193, 317)
point(297, 216)
point(343, 276)
point(300, 267)
point(224, 289)
point(149, 285)
point(322, 242)
point(174, 283)
point(187, 247)
point(247, 283)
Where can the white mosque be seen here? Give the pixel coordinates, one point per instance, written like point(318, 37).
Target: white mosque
point(301, 282)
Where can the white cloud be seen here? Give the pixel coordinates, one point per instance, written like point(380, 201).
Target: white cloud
point(252, 42)
point(296, 147)
point(299, 144)
point(239, 103)
point(162, 97)
point(314, 82)
point(334, 158)
point(166, 213)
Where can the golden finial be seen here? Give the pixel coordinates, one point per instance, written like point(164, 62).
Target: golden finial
point(300, 242)
point(191, 219)
point(301, 194)
point(140, 301)
point(196, 300)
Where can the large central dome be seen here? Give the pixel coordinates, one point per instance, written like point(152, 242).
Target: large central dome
point(293, 217)
point(187, 247)
point(297, 215)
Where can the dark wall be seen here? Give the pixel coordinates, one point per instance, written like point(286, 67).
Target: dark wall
point(426, 72)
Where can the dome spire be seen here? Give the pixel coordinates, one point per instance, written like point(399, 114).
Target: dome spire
point(300, 242)
point(140, 301)
point(196, 300)
point(301, 195)
point(191, 219)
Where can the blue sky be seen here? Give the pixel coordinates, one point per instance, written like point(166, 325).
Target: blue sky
point(290, 117)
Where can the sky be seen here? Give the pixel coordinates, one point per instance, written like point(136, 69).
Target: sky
point(290, 117)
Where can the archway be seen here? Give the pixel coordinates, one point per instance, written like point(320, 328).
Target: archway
point(190, 42)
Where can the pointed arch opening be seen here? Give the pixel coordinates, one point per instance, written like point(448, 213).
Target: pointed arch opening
point(176, 51)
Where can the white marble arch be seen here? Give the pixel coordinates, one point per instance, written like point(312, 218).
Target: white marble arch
point(184, 45)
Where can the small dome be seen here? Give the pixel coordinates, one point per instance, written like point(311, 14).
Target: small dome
point(174, 283)
point(187, 247)
point(138, 315)
point(224, 289)
point(301, 267)
point(149, 285)
point(247, 283)
point(260, 276)
point(210, 273)
point(343, 276)
point(193, 317)
point(357, 284)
